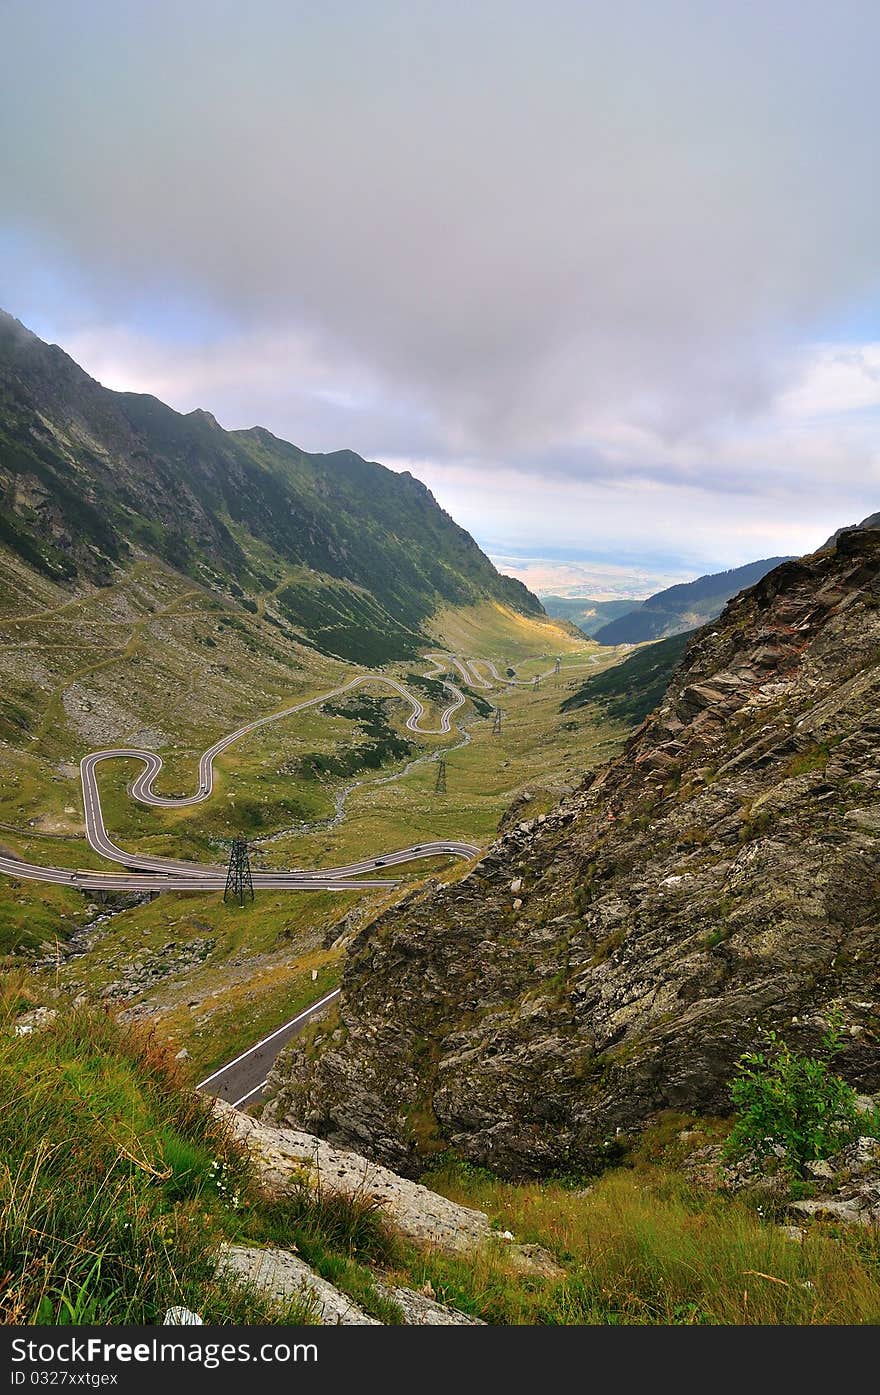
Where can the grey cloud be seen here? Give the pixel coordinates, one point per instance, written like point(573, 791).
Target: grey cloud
point(520, 220)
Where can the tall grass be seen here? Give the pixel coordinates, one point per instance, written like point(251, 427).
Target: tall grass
point(338, 1235)
point(644, 1247)
point(114, 1182)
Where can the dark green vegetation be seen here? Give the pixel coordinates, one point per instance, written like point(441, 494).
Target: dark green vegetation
point(587, 614)
point(684, 607)
point(790, 1101)
point(351, 555)
point(380, 746)
point(116, 1185)
point(629, 691)
point(337, 1235)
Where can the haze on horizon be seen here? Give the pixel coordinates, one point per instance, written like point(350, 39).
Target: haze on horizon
point(605, 278)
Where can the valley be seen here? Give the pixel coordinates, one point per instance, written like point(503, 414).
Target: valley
point(523, 897)
point(350, 777)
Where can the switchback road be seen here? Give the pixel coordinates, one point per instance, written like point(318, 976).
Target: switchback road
point(149, 873)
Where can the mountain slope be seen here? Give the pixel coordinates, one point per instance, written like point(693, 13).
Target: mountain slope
point(587, 614)
point(629, 691)
point(613, 960)
point(683, 607)
point(91, 479)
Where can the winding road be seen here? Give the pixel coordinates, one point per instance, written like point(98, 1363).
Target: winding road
point(143, 872)
point(151, 873)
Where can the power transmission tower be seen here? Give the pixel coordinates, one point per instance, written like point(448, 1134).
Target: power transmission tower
point(537, 683)
point(239, 882)
point(557, 666)
point(496, 722)
point(440, 782)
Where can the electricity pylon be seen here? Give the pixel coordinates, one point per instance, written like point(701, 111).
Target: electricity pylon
point(557, 666)
point(496, 722)
point(537, 683)
point(239, 882)
point(440, 782)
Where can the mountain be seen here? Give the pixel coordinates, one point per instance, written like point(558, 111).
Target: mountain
point(627, 692)
point(612, 959)
point(684, 607)
point(352, 556)
point(587, 614)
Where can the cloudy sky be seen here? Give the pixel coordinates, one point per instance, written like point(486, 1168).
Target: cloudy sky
point(604, 273)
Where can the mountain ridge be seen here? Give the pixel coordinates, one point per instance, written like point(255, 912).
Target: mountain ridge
point(684, 606)
point(91, 478)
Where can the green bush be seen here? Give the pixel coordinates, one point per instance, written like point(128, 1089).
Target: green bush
point(792, 1105)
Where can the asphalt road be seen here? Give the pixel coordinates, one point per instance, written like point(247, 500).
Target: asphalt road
point(143, 872)
point(241, 1081)
point(149, 873)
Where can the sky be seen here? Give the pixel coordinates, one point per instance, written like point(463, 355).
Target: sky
point(606, 276)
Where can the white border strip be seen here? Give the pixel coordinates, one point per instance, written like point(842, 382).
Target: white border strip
point(306, 1012)
point(254, 1091)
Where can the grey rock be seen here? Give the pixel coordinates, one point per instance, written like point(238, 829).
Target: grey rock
point(36, 1021)
point(283, 1276)
point(820, 1168)
point(288, 1156)
point(421, 1311)
point(181, 1317)
point(534, 1044)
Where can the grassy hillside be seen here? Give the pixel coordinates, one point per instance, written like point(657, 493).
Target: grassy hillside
point(350, 556)
point(115, 1183)
point(215, 976)
point(630, 690)
point(156, 661)
point(684, 607)
point(118, 1187)
point(587, 614)
point(642, 1245)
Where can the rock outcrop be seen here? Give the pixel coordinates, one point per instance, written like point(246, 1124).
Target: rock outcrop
point(283, 1156)
point(283, 1276)
point(720, 878)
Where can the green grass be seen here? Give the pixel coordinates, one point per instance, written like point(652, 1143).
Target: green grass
point(633, 688)
point(339, 1236)
point(163, 680)
point(256, 973)
point(115, 1183)
point(644, 1247)
point(118, 1187)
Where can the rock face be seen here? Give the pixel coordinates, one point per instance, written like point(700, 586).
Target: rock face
point(849, 1185)
point(719, 878)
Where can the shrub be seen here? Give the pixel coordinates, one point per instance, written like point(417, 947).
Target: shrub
point(792, 1105)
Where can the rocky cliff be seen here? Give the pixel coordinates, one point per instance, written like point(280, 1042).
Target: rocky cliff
point(613, 959)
